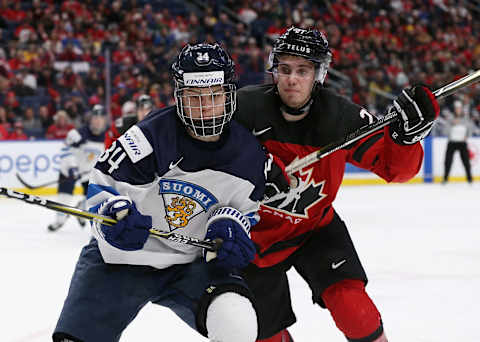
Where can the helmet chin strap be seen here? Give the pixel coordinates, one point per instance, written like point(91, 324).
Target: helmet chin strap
point(297, 111)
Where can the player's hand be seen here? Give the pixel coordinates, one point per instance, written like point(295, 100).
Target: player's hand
point(237, 250)
point(417, 110)
point(73, 173)
point(277, 179)
point(132, 229)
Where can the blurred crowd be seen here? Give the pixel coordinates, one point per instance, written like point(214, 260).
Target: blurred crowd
point(54, 54)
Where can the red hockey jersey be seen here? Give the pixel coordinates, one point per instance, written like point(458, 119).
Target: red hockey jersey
point(288, 219)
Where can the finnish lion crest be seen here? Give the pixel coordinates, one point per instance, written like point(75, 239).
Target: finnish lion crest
point(179, 211)
point(184, 201)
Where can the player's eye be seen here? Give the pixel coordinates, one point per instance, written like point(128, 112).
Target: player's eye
point(303, 72)
point(284, 70)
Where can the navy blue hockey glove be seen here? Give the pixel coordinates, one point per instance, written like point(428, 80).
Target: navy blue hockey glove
point(277, 180)
point(417, 109)
point(131, 231)
point(237, 250)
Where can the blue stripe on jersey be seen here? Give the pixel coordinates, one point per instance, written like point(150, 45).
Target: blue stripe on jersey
point(95, 208)
point(94, 189)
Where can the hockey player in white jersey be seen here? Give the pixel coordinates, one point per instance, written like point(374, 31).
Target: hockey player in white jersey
point(79, 155)
point(189, 169)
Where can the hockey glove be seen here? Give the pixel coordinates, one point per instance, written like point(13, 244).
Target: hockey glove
point(277, 180)
point(131, 231)
point(237, 250)
point(417, 109)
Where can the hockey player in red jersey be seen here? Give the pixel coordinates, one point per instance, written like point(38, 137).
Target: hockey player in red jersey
point(292, 117)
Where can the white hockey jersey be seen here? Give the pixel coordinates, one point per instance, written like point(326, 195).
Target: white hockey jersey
point(177, 180)
point(81, 150)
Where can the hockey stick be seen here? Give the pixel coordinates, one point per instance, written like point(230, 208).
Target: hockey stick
point(188, 240)
point(33, 187)
point(389, 118)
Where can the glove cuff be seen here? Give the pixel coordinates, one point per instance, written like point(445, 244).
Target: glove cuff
point(122, 202)
point(401, 138)
point(231, 214)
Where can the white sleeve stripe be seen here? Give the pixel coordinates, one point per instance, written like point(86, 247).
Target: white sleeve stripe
point(232, 214)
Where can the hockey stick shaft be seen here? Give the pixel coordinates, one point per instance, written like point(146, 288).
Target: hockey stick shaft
point(389, 118)
point(31, 199)
point(33, 187)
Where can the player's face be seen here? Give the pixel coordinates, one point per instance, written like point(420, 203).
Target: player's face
point(295, 79)
point(204, 103)
point(142, 112)
point(97, 124)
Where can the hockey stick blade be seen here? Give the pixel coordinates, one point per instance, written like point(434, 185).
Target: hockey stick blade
point(389, 118)
point(33, 187)
point(157, 233)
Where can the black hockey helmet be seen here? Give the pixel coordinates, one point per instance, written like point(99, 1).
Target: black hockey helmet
point(307, 43)
point(205, 66)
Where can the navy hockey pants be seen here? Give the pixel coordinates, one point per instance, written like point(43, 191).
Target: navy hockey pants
point(104, 298)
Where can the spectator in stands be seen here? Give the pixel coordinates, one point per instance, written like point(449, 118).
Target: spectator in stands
point(12, 106)
point(223, 30)
point(31, 123)
point(3, 133)
point(413, 41)
point(246, 13)
point(4, 125)
point(68, 78)
point(45, 118)
point(75, 110)
point(60, 127)
point(18, 133)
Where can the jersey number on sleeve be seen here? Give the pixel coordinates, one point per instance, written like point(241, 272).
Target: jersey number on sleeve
point(364, 113)
point(112, 161)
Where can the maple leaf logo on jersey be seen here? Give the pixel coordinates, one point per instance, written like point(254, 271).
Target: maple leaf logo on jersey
point(299, 200)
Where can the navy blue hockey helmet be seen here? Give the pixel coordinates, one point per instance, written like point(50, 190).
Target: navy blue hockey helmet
point(209, 69)
point(202, 58)
point(310, 44)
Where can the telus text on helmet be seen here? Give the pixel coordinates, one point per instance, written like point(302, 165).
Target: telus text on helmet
point(298, 48)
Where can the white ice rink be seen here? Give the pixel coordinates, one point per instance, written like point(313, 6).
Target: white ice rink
point(420, 245)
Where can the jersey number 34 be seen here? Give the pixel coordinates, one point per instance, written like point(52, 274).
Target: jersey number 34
point(112, 156)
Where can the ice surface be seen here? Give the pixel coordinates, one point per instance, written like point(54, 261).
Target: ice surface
point(419, 245)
